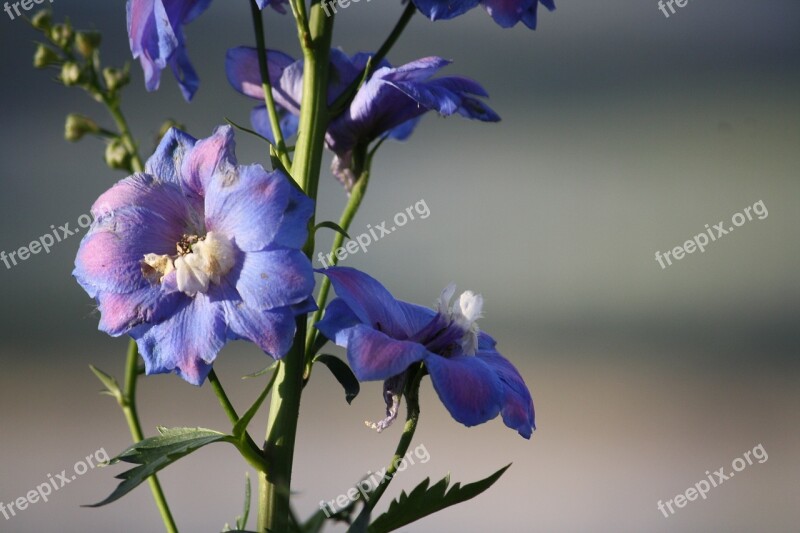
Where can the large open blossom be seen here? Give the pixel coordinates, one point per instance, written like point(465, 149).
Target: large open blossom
point(155, 31)
point(385, 336)
point(387, 105)
point(506, 13)
point(196, 251)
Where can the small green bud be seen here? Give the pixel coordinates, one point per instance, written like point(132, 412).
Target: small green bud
point(115, 78)
point(117, 156)
point(44, 57)
point(71, 74)
point(42, 20)
point(87, 42)
point(77, 126)
point(62, 35)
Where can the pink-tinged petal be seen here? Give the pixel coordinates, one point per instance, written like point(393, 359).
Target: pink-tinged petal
point(187, 343)
point(119, 313)
point(467, 386)
point(212, 158)
point(518, 412)
point(249, 207)
point(143, 191)
point(373, 355)
point(274, 278)
point(244, 73)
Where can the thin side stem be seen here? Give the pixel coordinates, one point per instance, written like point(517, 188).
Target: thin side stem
point(412, 419)
point(349, 213)
point(125, 136)
point(266, 85)
point(128, 405)
point(340, 103)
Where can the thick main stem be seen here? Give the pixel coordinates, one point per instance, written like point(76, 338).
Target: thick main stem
point(275, 488)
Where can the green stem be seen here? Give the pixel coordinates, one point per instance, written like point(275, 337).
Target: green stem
point(349, 213)
point(275, 488)
point(340, 103)
point(266, 85)
point(412, 418)
point(128, 405)
point(125, 135)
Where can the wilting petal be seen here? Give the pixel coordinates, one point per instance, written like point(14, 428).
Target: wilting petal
point(518, 412)
point(274, 278)
point(373, 355)
point(392, 392)
point(186, 343)
point(467, 386)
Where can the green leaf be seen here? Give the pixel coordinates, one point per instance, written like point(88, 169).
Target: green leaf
point(262, 372)
point(331, 225)
point(111, 385)
point(424, 501)
point(241, 521)
point(155, 453)
point(343, 375)
point(240, 429)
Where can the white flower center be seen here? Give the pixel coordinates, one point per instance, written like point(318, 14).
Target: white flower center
point(464, 313)
point(200, 261)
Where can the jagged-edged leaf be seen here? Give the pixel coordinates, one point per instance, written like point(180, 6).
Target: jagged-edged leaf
point(155, 453)
point(425, 500)
point(331, 225)
point(343, 375)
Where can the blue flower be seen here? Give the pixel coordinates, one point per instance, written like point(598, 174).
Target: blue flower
point(506, 13)
point(155, 31)
point(197, 251)
point(384, 337)
point(389, 104)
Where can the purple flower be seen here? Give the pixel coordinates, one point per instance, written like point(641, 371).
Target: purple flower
point(196, 251)
point(506, 13)
point(155, 31)
point(384, 336)
point(387, 105)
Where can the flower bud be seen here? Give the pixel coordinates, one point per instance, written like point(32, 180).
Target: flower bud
point(77, 126)
point(117, 156)
point(71, 74)
point(115, 78)
point(61, 35)
point(42, 20)
point(44, 57)
point(87, 42)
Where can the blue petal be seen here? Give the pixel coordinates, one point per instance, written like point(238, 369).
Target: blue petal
point(275, 278)
point(338, 317)
point(371, 302)
point(166, 162)
point(186, 343)
point(444, 9)
point(518, 412)
point(373, 355)
point(211, 158)
point(529, 18)
point(467, 386)
point(244, 73)
point(259, 118)
point(119, 313)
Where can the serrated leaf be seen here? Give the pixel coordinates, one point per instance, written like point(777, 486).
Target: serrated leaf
point(424, 501)
point(343, 375)
point(331, 225)
point(156, 453)
point(111, 385)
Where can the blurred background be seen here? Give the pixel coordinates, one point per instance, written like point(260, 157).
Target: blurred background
point(624, 133)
